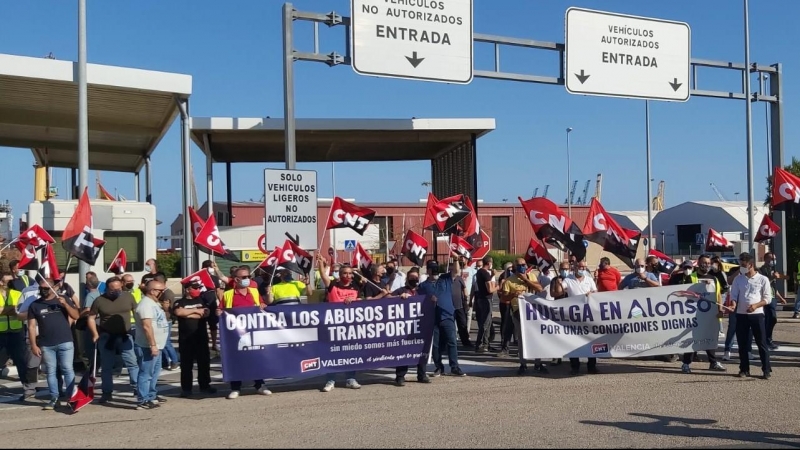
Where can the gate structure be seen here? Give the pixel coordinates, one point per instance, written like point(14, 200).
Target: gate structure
point(456, 172)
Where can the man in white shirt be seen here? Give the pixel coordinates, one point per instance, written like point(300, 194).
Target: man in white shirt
point(569, 285)
point(750, 293)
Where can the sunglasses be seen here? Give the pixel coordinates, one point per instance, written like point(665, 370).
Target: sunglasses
point(245, 277)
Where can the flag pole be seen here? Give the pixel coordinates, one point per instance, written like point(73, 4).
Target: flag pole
point(324, 229)
point(69, 262)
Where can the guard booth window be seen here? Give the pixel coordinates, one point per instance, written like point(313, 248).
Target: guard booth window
point(132, 242)
point(500, 234)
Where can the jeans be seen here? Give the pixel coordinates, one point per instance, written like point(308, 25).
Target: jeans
point(483, 309)
point(746, 323)
point(169, 355)
point(731, 333)
point(149, 370)
point(444, 338)
point(55, 356)
point(331, 377)
point(797, 303)
point(771, 319)
point(109, 346)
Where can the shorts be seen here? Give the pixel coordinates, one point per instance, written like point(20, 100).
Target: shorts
point(213, 322)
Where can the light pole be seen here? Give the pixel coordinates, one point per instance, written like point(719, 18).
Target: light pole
point(649, 177)
point(569, 199)
point(765, 78)
point(333, 186)
point(751, 225)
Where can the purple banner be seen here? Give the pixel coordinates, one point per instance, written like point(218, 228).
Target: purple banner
point(311, 340)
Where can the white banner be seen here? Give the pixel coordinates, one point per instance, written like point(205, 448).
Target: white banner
point(629, 323)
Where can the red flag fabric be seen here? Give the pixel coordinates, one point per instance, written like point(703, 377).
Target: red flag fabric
point(785, 187)
point(603, 230)
point(284, 257)
point(415, 247)
point(119, 263)
point(665, 263)
point(361, 259)
point(347, 215)
point(538, 256)
point(28, 259)
point(83, 392)
point(48, 266)
point(472, 228)
point(36, 236)
point(550, 223)
point(208, 241)
point(201, 277)
point(766, 231)
point(196, 221)
point(442, 215)
point(77, 238)
point(460, 247)
point(103, 194)
point(716, 242)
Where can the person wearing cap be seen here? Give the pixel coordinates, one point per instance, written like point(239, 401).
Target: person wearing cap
point(438, 287)
point(687, 275)
point(192, 312)
point(285, 290)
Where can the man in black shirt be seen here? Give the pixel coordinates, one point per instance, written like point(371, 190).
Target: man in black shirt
point(376, 289)
point(53, 314)
point(486, 286)
point(409, 290)
point(212, 297)
point(192, 312)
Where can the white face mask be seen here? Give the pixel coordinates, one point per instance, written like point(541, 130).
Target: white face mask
point(244, 283)
point(335, 274)
point(564, 273)
point(640, 270)
point(211, 271)
point(688, 272)
point(743, 270)
point(147, 268)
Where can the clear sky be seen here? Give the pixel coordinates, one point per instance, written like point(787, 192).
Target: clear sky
point(233, 52)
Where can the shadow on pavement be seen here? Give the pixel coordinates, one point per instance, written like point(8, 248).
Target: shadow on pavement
point(685, 427)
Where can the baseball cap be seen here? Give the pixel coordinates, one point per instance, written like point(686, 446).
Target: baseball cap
point(686, 264)
point(432, 265)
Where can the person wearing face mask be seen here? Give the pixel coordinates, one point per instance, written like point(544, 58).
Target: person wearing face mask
point(242, 295)
point(409, 290)
point(129, 286)
point(153, 326)
point(722, 278)
point(608, 277)
point(109, 321)
point(486, 287)
point(567, 285)
point(545, 278)
point(640, 278)
point(652, 266)
point(438, 287)
point(151, 266)
point(689, 276)
point(12, 335)
point(212, 296)
point(771, 311)
point(750, 294)
point(396, 279)
point(287, 291)
point(521, 282)
point(192, 312)
point(19, 280)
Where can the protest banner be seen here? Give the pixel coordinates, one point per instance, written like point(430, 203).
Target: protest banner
point(619, 324)
point(311, 340)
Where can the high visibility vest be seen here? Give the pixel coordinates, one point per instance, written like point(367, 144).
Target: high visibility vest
point(10, 323)
point(137, 297)
point(27, 281)
point(228, 297)
point(797, 276)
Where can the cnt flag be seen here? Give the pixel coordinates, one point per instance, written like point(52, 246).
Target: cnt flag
point(196, 221)
point(48, 266)
point(460, 247)
point(347, 215)
point(200, 277)
point(767, 230)
point(28, 259)
point(785, 188)
point(208, 241)
point(443, 215)
point(716, 242)
point(361, 259)
point(415, 247)
point(603, 230)
point(35, 236)
point(285, 257)
point(472, 228)
point(77, 238)
point(119, 263)
point(551, 224)
point(538, 256)
point(665, 263)
point(83, 392)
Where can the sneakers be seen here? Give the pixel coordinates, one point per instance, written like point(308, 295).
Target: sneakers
point(717, 367)
point(743, 374)
point(104, 399)
point(352, 384)
point(160, 399)
point(147, 405)
point(503, 353)
point(51, 405)
point(263, 391)
point(25, 397)
point(423, 379)
point(726, 356)
point(753, 357)
point(457, 372)
point(437, 373)
point(774, 346)
point(795, 316)
point(328, 386)
point(399, 381)
point(686, 369)
point(233, 395)
point(766, 375)
point(173, 366)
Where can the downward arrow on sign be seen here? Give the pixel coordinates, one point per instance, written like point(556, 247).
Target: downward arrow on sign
point(414, 60)
point(582, 77)
point(675, 85)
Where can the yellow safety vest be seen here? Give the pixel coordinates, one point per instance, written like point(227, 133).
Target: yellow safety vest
point(26, 280)
point(228, 297)
point(10, 323)
point(137, 297)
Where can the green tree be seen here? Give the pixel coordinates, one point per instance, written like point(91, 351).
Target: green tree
point(792, 226)
point(169, 263)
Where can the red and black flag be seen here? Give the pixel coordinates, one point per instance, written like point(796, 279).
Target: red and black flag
point(36, 237)
point(472, 228)
point(603, 230)
point(716, 242)
point(785, 188)
point(443, 215)
point(48, 266)
point(415, 247)
point(201, 277)
point(119, 263)
point(538, 256)
point(83, 392)
point(196, 221)
point(361, 259)
point(460, 247)
point(347, 215)
point(208, 241)
point(284, 257)
point(77, 238)
point(27, 259)
point(767, 230)
point(665, 263)
point(551, 224)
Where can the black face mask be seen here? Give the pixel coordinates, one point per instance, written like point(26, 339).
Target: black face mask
point(412, 283)
point(44, 293)
point(389, 271)
point(113, 295)
point(128, 286)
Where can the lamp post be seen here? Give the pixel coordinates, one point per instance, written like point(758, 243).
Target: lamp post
point(751, 226)
point(569, 197)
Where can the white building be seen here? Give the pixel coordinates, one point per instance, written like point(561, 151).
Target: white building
point(632, 220)
point(682, 224)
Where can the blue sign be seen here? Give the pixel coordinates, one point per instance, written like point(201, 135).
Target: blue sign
point(350, 245)
point(311, 340)
point(700, 238)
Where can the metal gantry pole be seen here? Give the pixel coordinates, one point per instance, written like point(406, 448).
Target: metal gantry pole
point(186, 162)
point(649, 178)
point(751, 225)
point(333, 184)
point(765, 79)
point(776, 143)
point(83, 125)
point(288, 86)
point(148, 181)
point(569, 175)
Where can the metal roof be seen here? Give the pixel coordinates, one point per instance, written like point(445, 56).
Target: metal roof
point(319, 140)
point(130, 110)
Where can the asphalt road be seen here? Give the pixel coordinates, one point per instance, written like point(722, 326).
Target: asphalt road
point(632, 403)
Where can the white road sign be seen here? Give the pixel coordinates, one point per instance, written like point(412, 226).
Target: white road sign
point(291, 207)
point(416, 39)
point(617, 55)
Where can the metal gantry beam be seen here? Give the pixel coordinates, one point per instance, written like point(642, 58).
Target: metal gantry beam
point(334, 58)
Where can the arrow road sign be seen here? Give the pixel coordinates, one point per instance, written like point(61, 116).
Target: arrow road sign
point(617, 55)
point(428, 40)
